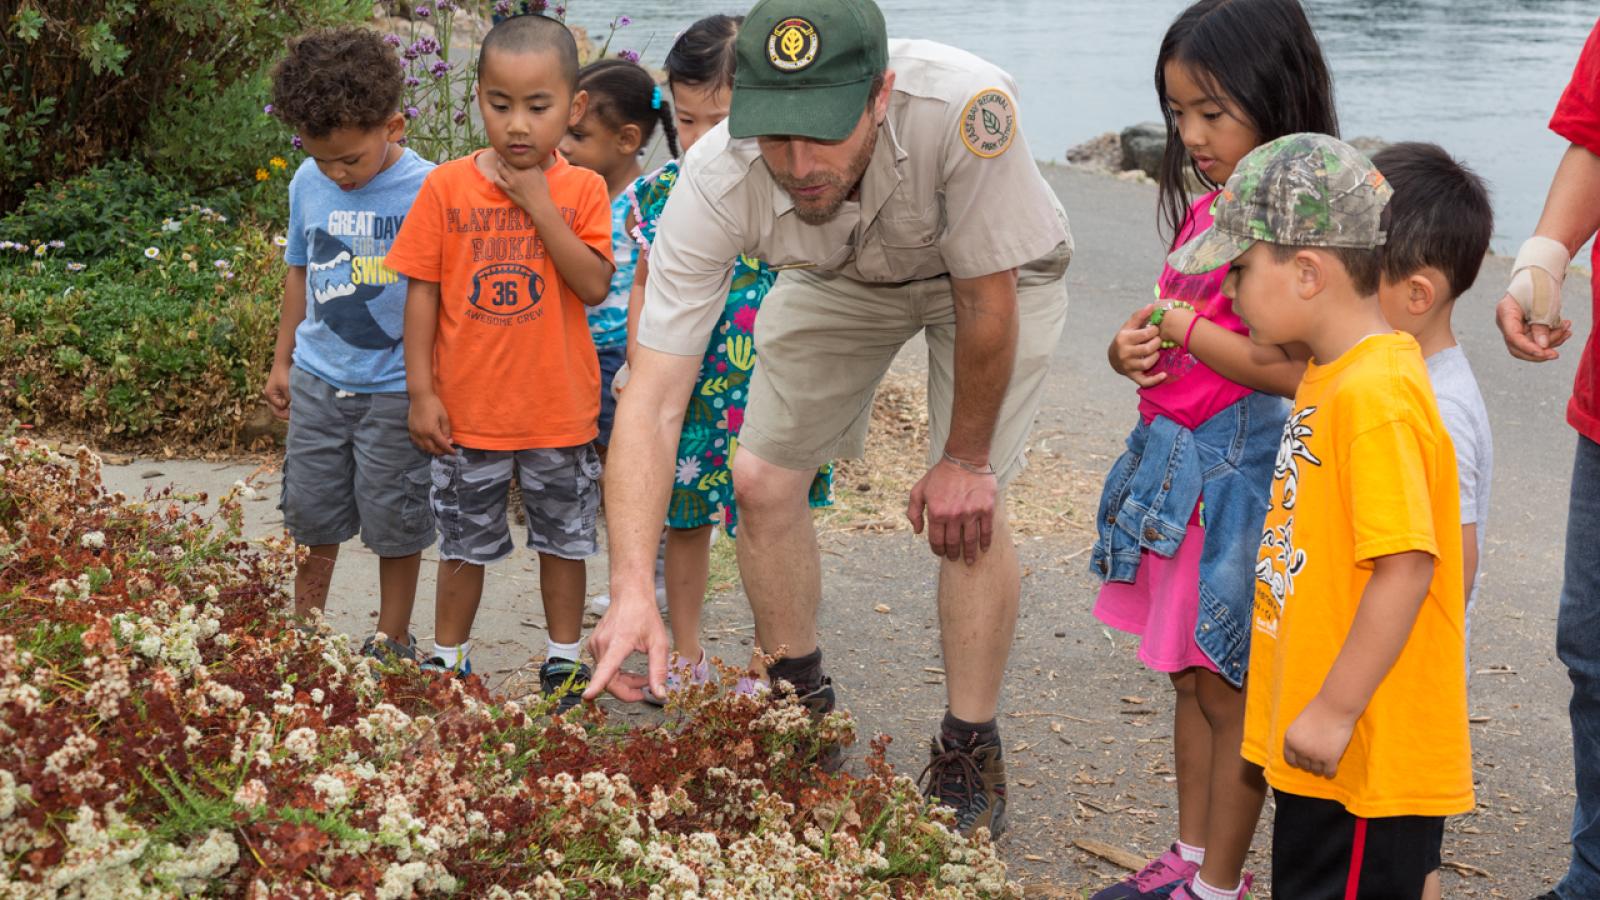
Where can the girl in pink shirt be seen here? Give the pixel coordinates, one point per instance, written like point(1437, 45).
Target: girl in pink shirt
point(1231, 75)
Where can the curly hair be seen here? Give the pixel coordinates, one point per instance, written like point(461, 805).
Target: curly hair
point(337, 78)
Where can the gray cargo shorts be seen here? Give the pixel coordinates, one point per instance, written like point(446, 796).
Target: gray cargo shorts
point(560, 493)
point(350, 467)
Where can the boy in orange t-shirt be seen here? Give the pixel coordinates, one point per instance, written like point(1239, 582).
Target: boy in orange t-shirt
point(1356, 703)
point(504, 249)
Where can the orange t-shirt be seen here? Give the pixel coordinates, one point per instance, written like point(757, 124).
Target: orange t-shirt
point(1365, 469)
point(513, 362)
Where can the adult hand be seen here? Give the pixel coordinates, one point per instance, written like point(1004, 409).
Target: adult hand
point(1136, 348)
point(430, 424)
point(1317, 738)
point(958, 506)
point(1525, 341)
point(277, 391)
point(527, 188)
point(629, 626)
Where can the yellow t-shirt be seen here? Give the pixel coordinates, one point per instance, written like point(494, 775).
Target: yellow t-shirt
point(1365, 469)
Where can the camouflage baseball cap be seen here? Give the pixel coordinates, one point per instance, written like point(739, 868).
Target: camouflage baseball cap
point(1301, 190)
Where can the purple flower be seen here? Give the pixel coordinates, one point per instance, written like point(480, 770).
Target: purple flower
point(621, 22)
point(561, 12)
point(628, 55)
point(446, 5)
point(461, 117)
point(502, 7)
point(422, 12)
point(392, 40)
point(412, 81)
point(409, 52)
point(440, 69)
point(426, 46)
point(412, 112)
point(267, 109)
point(295, 140)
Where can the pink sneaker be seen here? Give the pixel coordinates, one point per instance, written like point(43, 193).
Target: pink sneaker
point(1165, 874)
point(1245, 883)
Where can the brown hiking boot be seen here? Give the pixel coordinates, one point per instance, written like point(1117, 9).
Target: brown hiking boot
point(971, 782)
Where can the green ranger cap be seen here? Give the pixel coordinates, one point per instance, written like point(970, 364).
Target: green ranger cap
point(1301, 190)
point(805, 67)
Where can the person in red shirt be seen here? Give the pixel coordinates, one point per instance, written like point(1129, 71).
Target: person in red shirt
point(1530, 320)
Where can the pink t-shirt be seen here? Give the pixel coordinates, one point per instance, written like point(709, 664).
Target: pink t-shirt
point(1192, 391)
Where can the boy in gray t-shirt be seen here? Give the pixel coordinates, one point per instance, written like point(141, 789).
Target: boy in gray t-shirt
point(1439, 227)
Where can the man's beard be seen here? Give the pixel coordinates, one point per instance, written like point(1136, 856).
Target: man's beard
point(839, 186)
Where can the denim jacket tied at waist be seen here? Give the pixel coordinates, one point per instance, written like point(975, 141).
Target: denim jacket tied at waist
point(1152, 490)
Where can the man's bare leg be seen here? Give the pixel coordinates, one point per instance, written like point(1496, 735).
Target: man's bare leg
point(977, 620)
point(779, 561)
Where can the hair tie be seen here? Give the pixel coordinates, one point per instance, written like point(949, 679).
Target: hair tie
point(655, 97)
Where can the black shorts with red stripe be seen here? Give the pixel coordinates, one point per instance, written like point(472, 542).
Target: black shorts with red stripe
point(1322, 852)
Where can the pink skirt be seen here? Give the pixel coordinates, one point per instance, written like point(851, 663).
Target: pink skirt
point(1161, 606)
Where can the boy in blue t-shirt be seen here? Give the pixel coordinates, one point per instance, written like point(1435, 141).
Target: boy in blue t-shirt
point(338, 374)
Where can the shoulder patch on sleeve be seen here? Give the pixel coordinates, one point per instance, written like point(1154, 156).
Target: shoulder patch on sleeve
point(989, 123)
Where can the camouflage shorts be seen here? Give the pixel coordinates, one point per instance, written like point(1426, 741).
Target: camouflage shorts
point(560, 492)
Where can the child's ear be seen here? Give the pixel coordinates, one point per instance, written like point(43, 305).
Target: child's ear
point(580, 108)
point(1310, 273)
point(1420, 295)
point(630, 139)
point(394, 130)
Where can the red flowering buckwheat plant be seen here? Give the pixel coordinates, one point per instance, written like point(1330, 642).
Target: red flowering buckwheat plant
point(165, 729)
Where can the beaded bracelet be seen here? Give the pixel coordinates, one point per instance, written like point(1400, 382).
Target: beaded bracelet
point(1161, 312)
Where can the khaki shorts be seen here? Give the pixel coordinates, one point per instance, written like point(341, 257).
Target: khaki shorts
point(824, 342)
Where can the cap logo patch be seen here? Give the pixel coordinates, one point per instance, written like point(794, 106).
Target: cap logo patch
point(989, 123)
point(792, 45)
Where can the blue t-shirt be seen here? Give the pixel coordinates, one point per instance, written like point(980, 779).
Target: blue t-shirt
point(608, 322)
point(355, 306)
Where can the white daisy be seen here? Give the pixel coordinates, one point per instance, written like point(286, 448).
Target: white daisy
point(151, 252)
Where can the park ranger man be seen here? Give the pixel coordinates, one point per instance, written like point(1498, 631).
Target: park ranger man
point(890, 184)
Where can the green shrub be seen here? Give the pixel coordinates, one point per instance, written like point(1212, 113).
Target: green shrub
point(175, 82)
point(167, 343)
point(115, 208)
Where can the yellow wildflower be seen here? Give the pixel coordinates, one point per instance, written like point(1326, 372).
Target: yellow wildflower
point(262, 175)
point(278, 162)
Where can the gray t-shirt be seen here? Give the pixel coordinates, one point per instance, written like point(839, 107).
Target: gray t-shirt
point(1461, 407)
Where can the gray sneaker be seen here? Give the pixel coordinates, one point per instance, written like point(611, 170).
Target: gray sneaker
point(383, 648)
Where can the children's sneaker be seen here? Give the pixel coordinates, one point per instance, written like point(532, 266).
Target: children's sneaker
point(1181, 892)
point(680, 676)
point(437, 664)
point(970, 781)
point(566, 679)
point(383, 648)
point(1164, 875)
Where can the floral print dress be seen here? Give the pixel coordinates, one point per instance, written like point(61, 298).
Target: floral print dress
point(702, 486)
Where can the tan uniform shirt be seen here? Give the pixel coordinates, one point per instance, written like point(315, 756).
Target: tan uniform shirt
point(951, 189)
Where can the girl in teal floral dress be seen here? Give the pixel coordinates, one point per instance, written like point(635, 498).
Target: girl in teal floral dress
point(700, 77)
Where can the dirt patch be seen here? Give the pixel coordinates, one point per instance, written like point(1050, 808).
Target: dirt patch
point(1048, 498)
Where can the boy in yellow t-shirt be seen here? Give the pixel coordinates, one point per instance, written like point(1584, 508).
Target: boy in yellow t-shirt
point(1356, 703)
